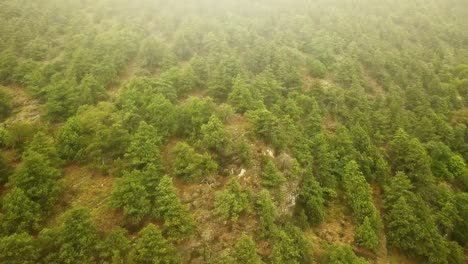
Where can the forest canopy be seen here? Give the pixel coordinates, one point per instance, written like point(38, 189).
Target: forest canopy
point(221, 131)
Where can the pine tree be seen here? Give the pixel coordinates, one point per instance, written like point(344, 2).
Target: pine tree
point(190, 165)
point(245, 251)
point(151, 247)
point(44, 145)
point(311, 200)
point(5, 169)
point(144, 147)
point(408, 155)
point(19, 248)
point(267, 213)
point(178, 223)
point(115, 246)
point(271, 176)
point(343, 254)
point(403, 225)
point(232, 202)
point(366, 236)
point(359, 194)
point(130, 195)
point(5, 104)
point(72, 141)
point(214, 135)
point(78, 237)
point(20, 214)
point(38, 178)
point(241, 97)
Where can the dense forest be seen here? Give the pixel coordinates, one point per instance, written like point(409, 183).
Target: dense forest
point(223, 131)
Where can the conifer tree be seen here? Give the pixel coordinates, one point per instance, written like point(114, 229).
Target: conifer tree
point(130, 195)
point(366, 236)
point(245, 251)
point(178, 223)
point(311, 200)
point(232, 202)
point(38, 179)
point(271, 176)
point(144, 147)
point(20, 214)
point(190, 165)
point(267, 213)
point(151, 247)
point(19, 248)
point(214, 135)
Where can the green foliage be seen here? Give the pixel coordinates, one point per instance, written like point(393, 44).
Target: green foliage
point(19, 134)
point(77, 236)
point(190, 165)
point(20, 214)
point(178, 223)
point(359, 196)
point(115, 246)
point(44, 145)
point(5, 104)
point(131, 196)
point(271, 176)
point(144, 148)
point(232, 201)
point(193, 114)
point(366, 235)
point(150, 247)
point(18, 249)
point(8, 61)
point(343, 254)
point(245, 251)
point(39, 179)
point(316, 68)
point(73, 242)
point(409, 156)
point(241, 96)
point(291, 247)
point(310, 200)
point(5, 170)
point(267, 214)
point(213, 135)
point(71, 141)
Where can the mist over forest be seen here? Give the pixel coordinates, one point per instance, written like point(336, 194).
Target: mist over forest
point(233, 132)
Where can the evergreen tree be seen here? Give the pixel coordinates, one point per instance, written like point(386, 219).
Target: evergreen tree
point(115, 246)
point(403, 225)
point(232, 202)
point(144, 147)
point(271, 176)
point(245, 251)
point(38, 178)
point(241, 97)
point(317, 69)
point(366, 236)
point(178, 223)
point(130, 195)
point(19, 248)
point(151, 247)
point(5, 169)
point(72, 141)
point(77, 237)
point(267, 213)
point(20, 214)
point(213, 135)
point(408, 155)
point(343, 254)
point(311, 201)
point(44, 145)
point(190, 165)
point(5, 104)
